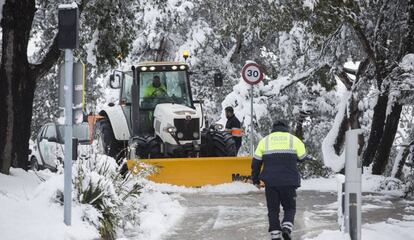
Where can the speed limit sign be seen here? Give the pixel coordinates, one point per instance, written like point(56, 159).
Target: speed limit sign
point(252, 74)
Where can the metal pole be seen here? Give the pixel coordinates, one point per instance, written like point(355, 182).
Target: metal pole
point(353, 171)
point(67, 215)
point(251, 122)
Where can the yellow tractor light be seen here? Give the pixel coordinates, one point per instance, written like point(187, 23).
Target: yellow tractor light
point(186, 54)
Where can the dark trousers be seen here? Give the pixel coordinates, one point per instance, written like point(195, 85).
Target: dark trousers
point(238, 142)
point(285, 195)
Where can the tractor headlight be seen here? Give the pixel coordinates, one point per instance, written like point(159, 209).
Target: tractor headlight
point(218, 126)
point(170, 129)
point(174, 67)
point(180, 135)
point(144, 69)
point(182, 67)
point(152, 68)
point(196, 134)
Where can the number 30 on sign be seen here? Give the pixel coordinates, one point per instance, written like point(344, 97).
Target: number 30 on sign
point(252, 74)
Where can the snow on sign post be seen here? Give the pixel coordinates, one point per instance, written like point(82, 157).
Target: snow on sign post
point(252, 74)
point(68, 39)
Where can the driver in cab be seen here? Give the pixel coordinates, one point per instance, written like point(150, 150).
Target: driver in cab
point(155, 89)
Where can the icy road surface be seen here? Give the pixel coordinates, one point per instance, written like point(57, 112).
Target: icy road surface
point(244, 216)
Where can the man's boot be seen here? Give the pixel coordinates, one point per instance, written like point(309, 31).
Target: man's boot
point(275, 235)
point(286, 234)
point(287, 230)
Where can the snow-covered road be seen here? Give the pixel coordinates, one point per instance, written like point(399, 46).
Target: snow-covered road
point(244, 216)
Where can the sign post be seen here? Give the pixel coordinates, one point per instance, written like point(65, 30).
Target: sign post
point(68, 39)
point(252, 74)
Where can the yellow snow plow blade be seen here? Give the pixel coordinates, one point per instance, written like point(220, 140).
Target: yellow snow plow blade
point(196, 172)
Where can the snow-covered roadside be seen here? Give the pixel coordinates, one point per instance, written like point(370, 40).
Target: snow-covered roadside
point(370, 183)
point(390, 229)
point(226, 188)
point(159, 212)
point(30, 209)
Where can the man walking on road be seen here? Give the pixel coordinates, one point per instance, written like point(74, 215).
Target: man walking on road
point(279, 153)
point(233, 126)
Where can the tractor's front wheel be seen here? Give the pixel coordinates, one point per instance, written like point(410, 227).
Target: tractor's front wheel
point(217, 144)
point(104, 135)
point(148, 147)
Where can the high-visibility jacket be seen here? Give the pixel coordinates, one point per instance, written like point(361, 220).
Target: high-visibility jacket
point(279, 153)
point(152, 91)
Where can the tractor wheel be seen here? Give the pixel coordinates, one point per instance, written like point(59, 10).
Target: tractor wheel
point(149, 147)
point(104, 135)
point(218, 144)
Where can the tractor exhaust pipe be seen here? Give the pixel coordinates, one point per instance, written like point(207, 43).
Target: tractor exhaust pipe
point(135, 103)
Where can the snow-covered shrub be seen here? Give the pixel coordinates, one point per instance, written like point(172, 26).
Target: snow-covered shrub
point(314, 168)
point(391, 184)
point(97, 183)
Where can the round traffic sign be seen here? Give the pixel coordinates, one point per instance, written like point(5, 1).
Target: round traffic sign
point(252, 74)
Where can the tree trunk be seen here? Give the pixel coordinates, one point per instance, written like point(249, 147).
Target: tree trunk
point(354, 120)
point(340, 138)
point(17, 84)
point(299, 128)
point(387, 139)
point(404, 156)
point(377, 128)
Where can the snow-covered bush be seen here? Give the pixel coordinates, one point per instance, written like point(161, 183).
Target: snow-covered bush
point(309, 169)
point(97, 182)
point(391, 184)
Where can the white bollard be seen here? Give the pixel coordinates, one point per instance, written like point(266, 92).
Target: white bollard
point(353, 172)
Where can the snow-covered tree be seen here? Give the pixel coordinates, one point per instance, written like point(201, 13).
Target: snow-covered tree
point(19, 75)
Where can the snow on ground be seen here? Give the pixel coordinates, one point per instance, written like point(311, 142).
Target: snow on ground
point(370, 183)
point(390, 229)
point(159, 213)
point(226, 188)
point(29, 210)
point(33, 204)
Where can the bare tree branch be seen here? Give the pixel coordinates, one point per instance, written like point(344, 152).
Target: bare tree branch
point(364, 41)
point(345, 79)
point(350, 71)
point(304, 76)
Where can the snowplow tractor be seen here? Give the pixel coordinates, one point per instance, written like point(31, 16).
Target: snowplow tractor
point(156, 117)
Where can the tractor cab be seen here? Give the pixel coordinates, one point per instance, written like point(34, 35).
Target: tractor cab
point(148, 85)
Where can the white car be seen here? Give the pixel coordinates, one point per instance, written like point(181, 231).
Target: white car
point(48, 149)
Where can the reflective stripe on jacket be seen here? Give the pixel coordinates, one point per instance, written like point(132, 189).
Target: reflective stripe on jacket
point(279, 153)
point(236, 132)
